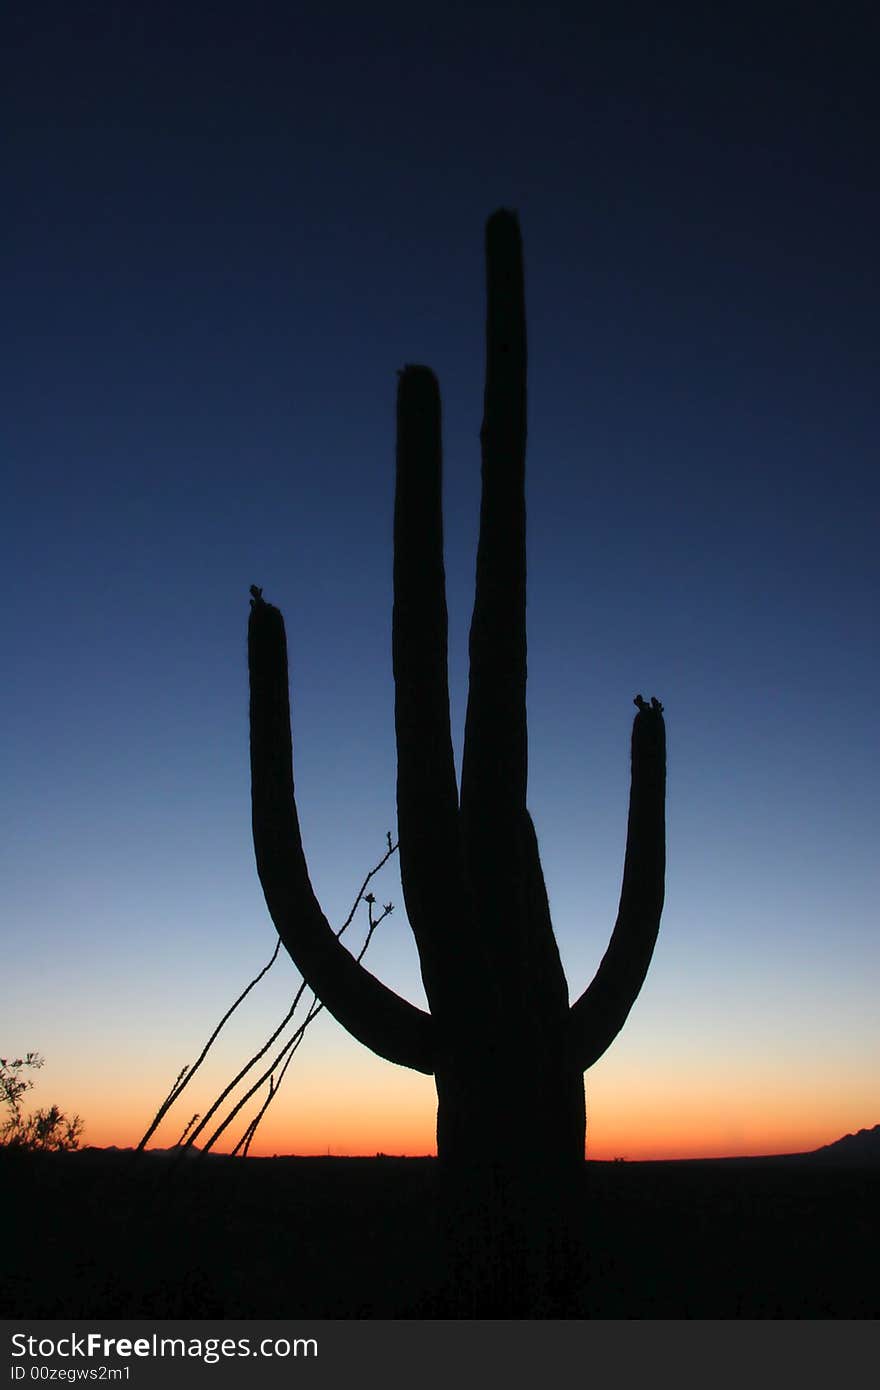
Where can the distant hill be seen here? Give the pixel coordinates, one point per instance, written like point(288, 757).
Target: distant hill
point(861, 1148)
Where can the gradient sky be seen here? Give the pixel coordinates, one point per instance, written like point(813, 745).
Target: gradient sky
point(225, 233)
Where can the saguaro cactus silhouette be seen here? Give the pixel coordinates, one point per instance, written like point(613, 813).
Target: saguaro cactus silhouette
point(507, 1051)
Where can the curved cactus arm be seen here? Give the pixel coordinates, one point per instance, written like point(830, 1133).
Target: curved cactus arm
point(374, 1014)
point(494, 762)
point(599, 1014)
point(427, 795)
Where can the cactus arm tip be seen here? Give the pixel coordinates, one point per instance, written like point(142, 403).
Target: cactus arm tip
point(601, 1011)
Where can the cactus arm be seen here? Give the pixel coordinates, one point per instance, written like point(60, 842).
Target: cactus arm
point(427, 795)
point(598, 1016)
point(494, 757)
point(374, 1014)
point(494, 762)
point(501, 854)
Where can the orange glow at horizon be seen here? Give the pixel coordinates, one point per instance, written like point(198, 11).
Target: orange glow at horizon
point(638, 1108)
point(386, 1130)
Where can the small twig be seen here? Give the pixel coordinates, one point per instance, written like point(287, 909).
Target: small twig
point(189, 1126)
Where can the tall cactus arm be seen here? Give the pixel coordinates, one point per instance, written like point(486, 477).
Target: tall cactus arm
point(427, 794)
point(379, 1018)
point(494, 762)
point(599, 1014)
point(500, 849)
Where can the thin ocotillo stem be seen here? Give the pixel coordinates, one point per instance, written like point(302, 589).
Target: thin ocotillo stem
point(188, 1073)
point(177, 1089)
point(287, 1050)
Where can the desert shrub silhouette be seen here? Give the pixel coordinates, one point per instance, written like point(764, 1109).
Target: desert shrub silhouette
point(46, 1130)
point(507, 1051)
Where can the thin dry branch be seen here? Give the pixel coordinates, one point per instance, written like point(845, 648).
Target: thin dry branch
point(187, 1073)
point(287, 1050)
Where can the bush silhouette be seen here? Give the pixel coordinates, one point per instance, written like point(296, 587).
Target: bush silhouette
point(45, 1130)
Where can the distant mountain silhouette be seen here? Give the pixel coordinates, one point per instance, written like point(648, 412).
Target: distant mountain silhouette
point(863, 1147)
point(861, 1150)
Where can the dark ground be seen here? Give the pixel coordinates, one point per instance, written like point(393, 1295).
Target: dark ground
point(111, 1234)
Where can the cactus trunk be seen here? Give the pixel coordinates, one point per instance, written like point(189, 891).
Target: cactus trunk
point(507, 1052)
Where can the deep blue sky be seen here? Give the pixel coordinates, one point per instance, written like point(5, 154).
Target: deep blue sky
point(225, 232)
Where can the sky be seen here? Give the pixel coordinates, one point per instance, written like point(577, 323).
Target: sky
point(228, 228)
